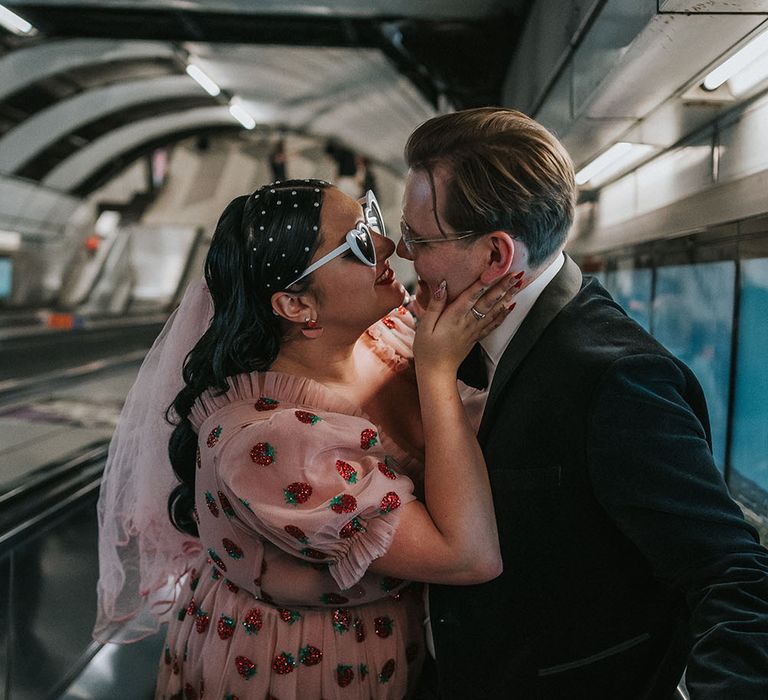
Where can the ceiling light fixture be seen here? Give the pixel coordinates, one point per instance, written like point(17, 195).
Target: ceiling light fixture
point(203, 80)
point(755, 51)
point(12, 22)
point(752, 75)
point(242, 116)
point(618, 157)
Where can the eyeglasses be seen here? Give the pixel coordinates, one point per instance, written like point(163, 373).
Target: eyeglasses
point(359, 240)
point(408, 242)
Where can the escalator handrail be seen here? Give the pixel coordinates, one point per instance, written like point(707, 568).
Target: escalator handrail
point(39, 478)
point(13, 389)
point(38, 498)
point(11, 536)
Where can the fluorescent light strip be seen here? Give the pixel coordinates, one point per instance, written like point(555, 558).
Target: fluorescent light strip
point(617, 158)
point(10, 240)
point(242, 116)
point(751, 76)
point(203, 80)
point(738, 62)
point(14, 23)
point(614, 153)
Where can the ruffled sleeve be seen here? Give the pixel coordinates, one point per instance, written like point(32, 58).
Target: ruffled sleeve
point(391, 338)
point(316, 484)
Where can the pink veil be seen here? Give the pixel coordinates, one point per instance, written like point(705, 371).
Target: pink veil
point(142, 557)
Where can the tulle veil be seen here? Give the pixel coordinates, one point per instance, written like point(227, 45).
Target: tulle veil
point(142, 557)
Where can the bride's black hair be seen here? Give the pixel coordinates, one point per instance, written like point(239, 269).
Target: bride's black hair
point(262, 241)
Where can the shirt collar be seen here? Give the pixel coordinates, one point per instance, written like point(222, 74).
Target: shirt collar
point(495, 343)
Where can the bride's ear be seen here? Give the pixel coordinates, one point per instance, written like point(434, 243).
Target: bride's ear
point(296, 308)
point(499, 251)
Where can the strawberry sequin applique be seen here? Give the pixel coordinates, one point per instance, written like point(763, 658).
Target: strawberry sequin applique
point(307, 417)
point(382, 626)
point(232, 549)
point(213, 436)
point(245, 667)
point(210, 501)
point(368, 438)
point(252, 621)
point(216, 559)
point(387, 670)
point(263, 454)
point(359, 628)
point(340, 620)
point(310, 655)
point(225, 627)
point(298, 492)
point(343, 503)
point(226, 506)
point(390, 502)
point(297, 533)
point(288, 616)
point(346, 471)
point(344, 675)
point(351, 528)
point(283, 663)
point(387, 471)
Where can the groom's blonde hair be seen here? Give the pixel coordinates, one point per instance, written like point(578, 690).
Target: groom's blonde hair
point(505, 171)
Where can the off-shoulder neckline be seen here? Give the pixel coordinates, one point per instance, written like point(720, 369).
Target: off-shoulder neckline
point(385, 341)
point(291, 389)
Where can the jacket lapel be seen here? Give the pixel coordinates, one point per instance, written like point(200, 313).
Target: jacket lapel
point(559, 292)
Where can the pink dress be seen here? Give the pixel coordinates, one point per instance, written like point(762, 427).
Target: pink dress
point(296, 493)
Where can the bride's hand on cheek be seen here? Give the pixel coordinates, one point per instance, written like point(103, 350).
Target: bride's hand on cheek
point(447, 332)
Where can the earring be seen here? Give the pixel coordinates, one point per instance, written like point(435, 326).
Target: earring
point(310, 329)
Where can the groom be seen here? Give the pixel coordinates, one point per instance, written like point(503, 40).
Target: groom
point(624, 557)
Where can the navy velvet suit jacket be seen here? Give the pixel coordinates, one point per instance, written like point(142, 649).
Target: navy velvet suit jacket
point(624, 557)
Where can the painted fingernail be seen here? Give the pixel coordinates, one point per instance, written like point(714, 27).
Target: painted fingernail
point(517, 284)
point(440, 290)
point(512, 306)
point(519, 274)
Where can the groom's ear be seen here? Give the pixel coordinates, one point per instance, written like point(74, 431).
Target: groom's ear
point(499, 252)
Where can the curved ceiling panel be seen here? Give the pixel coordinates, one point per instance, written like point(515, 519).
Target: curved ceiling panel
point(354, 95)
point(26, 66)
point(68, 175)
point(21, 144)
point(452, 50)
point(46, 160)
point(46, 92)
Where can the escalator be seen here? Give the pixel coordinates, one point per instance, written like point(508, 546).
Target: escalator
point(54, 436)
point(48, 574)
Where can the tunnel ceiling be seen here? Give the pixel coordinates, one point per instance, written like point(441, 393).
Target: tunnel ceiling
point(458, 49)
point(349, 70)
point(365, 72)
